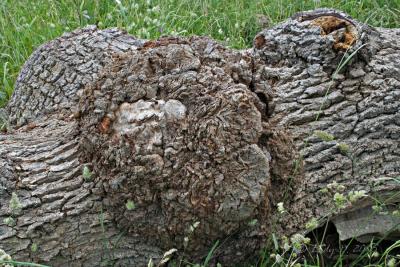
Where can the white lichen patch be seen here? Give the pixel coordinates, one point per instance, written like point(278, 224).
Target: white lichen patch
point(174, 109)
point(130, 115)
point(143, 121)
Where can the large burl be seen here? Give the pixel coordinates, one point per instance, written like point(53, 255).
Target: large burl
point(192, 132)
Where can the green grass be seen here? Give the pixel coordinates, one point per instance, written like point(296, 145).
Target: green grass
point(25, 24)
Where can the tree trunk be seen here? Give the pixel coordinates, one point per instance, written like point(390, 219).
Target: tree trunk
point(117, 146)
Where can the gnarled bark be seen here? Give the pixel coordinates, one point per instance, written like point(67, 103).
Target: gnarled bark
point(190, 132)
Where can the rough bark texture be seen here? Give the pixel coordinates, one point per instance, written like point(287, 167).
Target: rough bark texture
point(52, 79)
point(358, 107)
point(190, 132)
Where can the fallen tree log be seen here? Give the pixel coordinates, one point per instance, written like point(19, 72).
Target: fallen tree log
point(116, 147)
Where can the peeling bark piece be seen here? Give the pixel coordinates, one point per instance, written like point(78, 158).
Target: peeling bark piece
point(363, 224)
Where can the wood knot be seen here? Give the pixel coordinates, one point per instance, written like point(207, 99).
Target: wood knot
point(104, 126)
point(259, 41)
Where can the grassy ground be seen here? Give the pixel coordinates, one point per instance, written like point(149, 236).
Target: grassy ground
point(25, 24)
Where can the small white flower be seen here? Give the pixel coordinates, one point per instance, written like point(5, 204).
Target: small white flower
point(194, 226)
point(281, 208)
point(375, 254)
point(297, 238)
point(237, 25)
point(340, 200)
point(391, 262)
point(286, 246)
point(332, 185)
point(356, 195)
point(312, 224)
point(185, 240)
point(4, 256)
point(147, 19)
point(131, 26)
point(167, 256)
point(341, 188)
point(220, 31)
point(278, 258)
point(85, 14)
